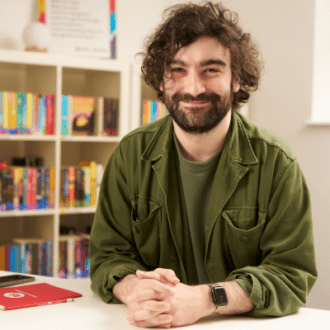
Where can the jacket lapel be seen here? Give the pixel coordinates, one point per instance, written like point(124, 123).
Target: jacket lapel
point(162, 155)
point(236, 155)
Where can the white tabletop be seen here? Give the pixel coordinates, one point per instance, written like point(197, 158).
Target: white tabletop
point(90, 312)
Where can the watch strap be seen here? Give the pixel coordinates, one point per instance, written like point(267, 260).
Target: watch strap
point(219, 308)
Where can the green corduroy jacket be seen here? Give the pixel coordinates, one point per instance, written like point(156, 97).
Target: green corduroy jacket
point(258, 229)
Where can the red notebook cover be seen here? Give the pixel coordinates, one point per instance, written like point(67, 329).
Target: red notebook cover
point(34, 295)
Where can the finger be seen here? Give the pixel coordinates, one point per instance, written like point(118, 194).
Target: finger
point(150, 275)
point(168, 274)
point(141, 315)
point(145, 294)
point(160, 274)
point(158, 306)
point(157, 321)
point(148, 294)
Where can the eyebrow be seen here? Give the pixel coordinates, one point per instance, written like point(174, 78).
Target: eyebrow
point(204, 63)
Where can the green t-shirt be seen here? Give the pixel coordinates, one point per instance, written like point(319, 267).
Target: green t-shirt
point(196, 180)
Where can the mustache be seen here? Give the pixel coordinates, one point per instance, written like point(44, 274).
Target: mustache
point(212, 97)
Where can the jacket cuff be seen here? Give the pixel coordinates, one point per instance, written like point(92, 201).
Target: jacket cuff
point(251, 285)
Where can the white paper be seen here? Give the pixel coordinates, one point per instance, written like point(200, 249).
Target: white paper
point(79, 27)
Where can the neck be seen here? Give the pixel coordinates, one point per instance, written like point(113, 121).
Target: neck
point(201, 147)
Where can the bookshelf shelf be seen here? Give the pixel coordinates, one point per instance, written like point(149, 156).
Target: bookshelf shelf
point(40, 73)
point(15, 137)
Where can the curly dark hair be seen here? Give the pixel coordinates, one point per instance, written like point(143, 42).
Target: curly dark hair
point(185, 23)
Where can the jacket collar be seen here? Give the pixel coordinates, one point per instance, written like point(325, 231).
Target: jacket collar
point(237, 147)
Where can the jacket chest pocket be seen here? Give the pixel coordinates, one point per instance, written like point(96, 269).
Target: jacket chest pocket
point(243, 229)
point(145, 220)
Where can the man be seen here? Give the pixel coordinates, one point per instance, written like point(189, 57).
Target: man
point(202, 211)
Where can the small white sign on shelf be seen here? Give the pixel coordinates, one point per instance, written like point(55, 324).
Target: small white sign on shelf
point(78, 27)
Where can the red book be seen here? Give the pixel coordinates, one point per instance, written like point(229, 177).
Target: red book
point(49, 114)
point(34, 295)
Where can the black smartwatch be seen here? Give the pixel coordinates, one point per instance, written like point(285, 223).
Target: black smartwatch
point(219, 297)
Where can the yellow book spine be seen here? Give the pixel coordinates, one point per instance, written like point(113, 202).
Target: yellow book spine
point(16, 187)
point(12, 112)
point(29, 112)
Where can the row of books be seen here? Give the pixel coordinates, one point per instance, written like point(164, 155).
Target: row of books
point(27, 188)
point(26, 113)
point(73, 256)
point(152, 110)
point(80, 185)
point(88, 115)
point(29, 256)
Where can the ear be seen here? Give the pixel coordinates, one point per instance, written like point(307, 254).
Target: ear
point(236, 86)
point(161, 86)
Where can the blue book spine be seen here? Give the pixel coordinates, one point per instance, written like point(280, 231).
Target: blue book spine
point(19, 113)
point(24, 130)
point(12, 258)
point(65, 116)
point(47, 188)
point(42, 115)
point(153, 110)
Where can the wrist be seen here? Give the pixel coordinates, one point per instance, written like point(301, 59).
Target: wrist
point(124, 287)
point(208, 306)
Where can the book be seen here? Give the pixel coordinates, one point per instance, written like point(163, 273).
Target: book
point(34, 295)
point(12, 112)
point(65, 116)
point(49, 114)
point(82, 114)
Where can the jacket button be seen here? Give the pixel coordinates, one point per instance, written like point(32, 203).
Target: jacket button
point(134, 229)
point(174, 257)
point(244, 239)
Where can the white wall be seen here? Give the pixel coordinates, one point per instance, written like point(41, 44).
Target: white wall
point(284, 31)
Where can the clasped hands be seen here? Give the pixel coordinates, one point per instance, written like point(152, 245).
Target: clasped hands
point(158, 299)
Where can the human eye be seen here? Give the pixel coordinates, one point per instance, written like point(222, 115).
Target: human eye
point(177, 69)
point(211, 72)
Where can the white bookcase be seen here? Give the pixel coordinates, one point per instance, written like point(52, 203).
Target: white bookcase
point(45, 73)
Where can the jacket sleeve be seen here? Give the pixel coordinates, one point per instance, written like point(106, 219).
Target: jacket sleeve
point(112, 250)
point(287, 272)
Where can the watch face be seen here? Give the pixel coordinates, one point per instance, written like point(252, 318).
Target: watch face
point(219, 296)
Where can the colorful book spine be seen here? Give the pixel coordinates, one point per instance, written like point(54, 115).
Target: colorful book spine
point(65, 116)
point(72, 190)
point(49, 114)
point(93, 183)
point(29, 113)
point(152, 110)
point(87, 186)
point(20, 113)
point(12, 112)
point(42, 115)
point(73, 256)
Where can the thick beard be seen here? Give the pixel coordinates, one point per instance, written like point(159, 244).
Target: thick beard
point(199, 120)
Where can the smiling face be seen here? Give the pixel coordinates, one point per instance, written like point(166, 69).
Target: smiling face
point(198, 85)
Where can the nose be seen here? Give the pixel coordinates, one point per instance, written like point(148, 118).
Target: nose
point(194, 84)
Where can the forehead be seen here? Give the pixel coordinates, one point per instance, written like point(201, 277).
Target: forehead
point(202, 50)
